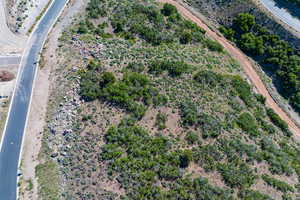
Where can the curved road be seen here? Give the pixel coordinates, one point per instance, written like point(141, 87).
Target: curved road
point(11, 143)
point(242, 59)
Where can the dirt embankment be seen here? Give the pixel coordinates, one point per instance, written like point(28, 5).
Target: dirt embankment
point(242, 59)
point(223, 12)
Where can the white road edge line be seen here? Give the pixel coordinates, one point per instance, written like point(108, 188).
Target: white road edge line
point(33, 84)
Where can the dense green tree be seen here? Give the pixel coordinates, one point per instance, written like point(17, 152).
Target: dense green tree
point(252, 44)
point(168, 9)
point(186, 37)
point(227, 32)
point(244, 22)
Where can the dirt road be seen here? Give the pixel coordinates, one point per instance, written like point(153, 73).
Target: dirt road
point(242, 59)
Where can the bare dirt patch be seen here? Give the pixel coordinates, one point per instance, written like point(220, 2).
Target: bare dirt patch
point(213, 177)
point(172, 123)
point(6, 89)
point(6, 76)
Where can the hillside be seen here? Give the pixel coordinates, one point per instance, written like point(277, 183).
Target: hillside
point(223, 13)
point(262, 39)
point(146, 106)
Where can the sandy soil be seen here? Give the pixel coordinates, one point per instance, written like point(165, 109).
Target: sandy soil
point(35, 125)
point(244, 62)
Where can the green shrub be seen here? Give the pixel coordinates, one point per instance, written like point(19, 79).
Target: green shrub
point(189, 113)
point(244, 22)
point(130, 93)
point(205, 191)
point(210, 125)
point(243, 89)
point(260, 98)
point(240, 176)
point(266, 126)
point(253, 195)
point(192, 137)
point(279, 185)
point(278, 121)
point(248, 124)
point(213, 45)
point(95, 9)
point(227, 32)
point(168, 9)
point(209, 77)
point(158, 99)
point(234, 147)
point(161, 119)
point(107, 78)
point(279, 161)
point(136, 67)
point(194, 27)
point(207, 156)
point(140, 159)
point(185, 38)
point(174, 68)
point(185, 157)
point(149, 34)
point(110, 152)
point(89, 86)
point(252, 44)
point(82, 29)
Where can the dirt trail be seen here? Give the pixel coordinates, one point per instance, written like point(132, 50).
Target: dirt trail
point(242, 59)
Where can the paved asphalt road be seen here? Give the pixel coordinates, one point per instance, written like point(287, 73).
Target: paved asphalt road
point(9, 60)
point(282, 14)
point(12, 141)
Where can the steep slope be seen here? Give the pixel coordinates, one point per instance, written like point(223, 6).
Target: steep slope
point(244, 62)
point(147, 106)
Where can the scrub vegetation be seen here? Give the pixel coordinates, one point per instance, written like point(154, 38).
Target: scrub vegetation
point(167, 114)
point(276, 56)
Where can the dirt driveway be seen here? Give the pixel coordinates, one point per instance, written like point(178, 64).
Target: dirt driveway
point(242, 59)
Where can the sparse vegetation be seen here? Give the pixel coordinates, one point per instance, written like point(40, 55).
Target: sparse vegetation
point(48, 180)
point(278, 121)
point(162, 111)
point(248, 124)
point(161, 119)
point(240, 175)
point(279, 185)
